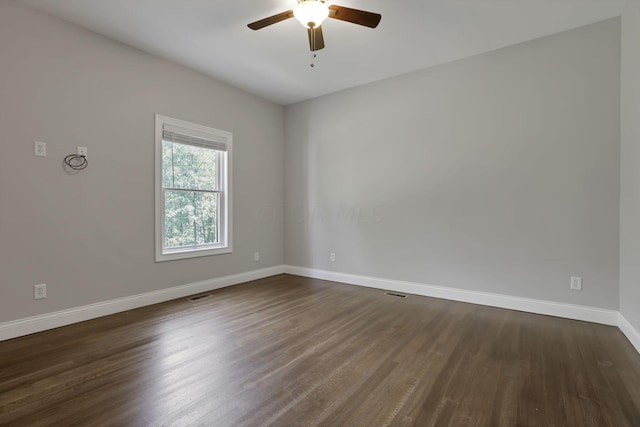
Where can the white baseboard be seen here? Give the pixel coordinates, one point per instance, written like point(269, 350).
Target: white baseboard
point(630, 332)
point(47, 321)
point(569, 311)
point(56, 319)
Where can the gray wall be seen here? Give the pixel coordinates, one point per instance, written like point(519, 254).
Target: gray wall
point(90, 237)
point(497, 173)
point(630, 167)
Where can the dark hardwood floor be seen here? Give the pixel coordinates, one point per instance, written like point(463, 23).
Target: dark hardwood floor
point(291, 351)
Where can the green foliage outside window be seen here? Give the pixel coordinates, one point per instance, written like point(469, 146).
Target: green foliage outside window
point(190, 183)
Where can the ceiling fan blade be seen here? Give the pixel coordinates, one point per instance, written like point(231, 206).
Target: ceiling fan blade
point(355, 16)
point(316, 40)
point(271, 20)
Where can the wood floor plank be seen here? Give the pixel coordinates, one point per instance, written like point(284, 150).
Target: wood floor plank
point(293, 351)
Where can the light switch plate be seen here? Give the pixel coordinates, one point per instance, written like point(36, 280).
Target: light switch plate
point(40, 149)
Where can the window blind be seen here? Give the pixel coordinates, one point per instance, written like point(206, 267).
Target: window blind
point(173, 134)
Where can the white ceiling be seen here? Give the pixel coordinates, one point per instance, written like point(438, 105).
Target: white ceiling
point(212, 37)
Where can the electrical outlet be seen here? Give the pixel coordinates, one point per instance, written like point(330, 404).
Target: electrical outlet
point(39, 291)
point(256, 256)
point(82, 151)
point(39, 149)
point(576, 283)
point(333, 257)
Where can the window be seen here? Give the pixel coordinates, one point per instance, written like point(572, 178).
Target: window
point(193, 190)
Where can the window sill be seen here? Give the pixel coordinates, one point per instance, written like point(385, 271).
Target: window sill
point(191, 253)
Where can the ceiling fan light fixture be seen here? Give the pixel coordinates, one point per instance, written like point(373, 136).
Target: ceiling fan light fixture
point(311, 13)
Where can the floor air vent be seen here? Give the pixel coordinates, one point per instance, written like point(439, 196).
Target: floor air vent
point(199, 297)
point(393, 294)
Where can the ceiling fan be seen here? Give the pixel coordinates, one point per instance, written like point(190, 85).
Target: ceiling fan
point(311, 14)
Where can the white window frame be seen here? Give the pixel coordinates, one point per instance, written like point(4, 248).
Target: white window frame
point(225, 244)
